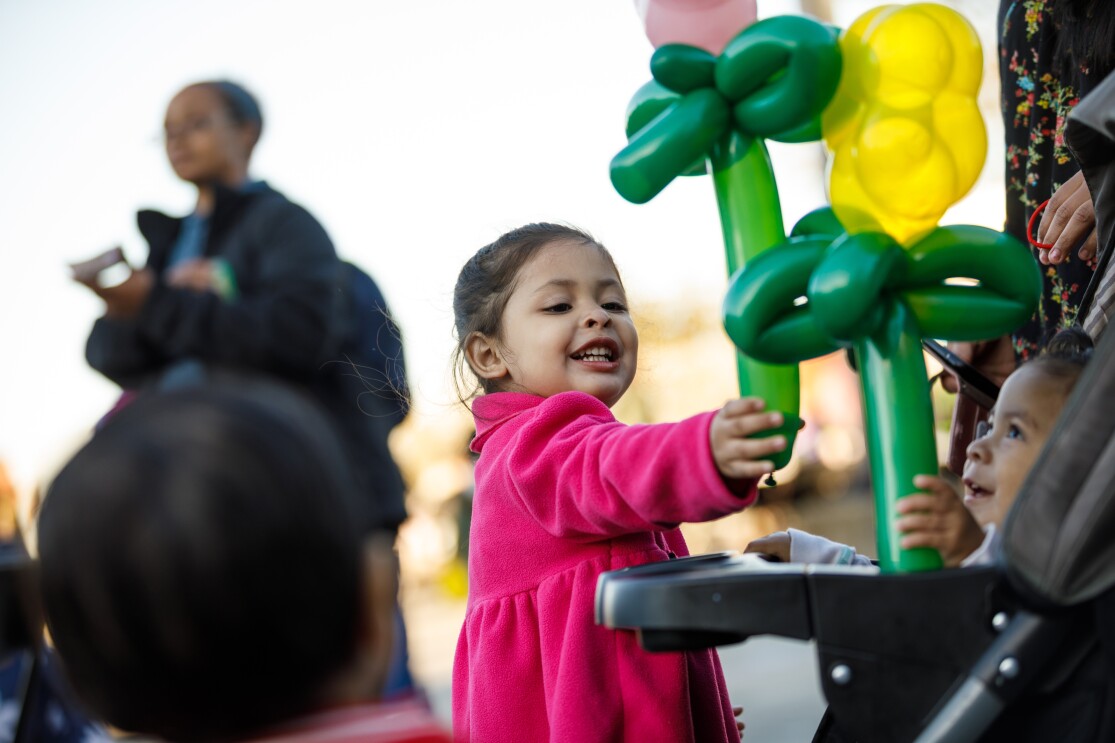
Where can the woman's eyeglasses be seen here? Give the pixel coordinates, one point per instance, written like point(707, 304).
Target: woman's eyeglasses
point(190, 126)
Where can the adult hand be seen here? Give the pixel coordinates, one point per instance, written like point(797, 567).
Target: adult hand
point(1069, 218)
point(938, 519)
point(198, 274)
point(125, 300)
point(776, 545)
point(993, 358)
point(736, 455)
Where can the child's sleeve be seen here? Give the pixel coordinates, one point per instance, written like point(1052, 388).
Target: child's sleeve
point(810, 548)
point(579, 472)
point(985, 553)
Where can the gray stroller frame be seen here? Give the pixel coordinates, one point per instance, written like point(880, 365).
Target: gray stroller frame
point(1024, 651)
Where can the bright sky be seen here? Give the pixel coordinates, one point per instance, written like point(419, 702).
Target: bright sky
point(415, 131)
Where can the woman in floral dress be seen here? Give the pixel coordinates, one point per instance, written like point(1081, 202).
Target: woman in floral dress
point(1051, 54)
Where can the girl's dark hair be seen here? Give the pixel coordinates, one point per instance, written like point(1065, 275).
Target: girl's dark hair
point(486, 283)
point(201, 563)
point(1085, 34)
point(241, 105)
point(1065, 355)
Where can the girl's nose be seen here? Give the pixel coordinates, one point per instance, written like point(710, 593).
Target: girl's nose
point(597, 316)
point(978, 450)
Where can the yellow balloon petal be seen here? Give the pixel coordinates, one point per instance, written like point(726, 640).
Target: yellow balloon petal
point(904, 127)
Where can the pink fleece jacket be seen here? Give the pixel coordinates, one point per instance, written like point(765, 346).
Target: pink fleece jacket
point(565, 492)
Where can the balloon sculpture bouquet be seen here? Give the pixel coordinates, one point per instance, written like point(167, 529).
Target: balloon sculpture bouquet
point(894, 99)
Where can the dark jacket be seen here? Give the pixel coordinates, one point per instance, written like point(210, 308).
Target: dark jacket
point(289, 319)
point(282, 322)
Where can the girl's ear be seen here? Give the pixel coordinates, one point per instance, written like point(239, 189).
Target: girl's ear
point(484, 357)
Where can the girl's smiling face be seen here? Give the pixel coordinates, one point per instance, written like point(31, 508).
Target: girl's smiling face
point(999, 461)
point(565, 327)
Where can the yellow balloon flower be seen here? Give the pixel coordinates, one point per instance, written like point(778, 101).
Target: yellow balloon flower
point(904, 126)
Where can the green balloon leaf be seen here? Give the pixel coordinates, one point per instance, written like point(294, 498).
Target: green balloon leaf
point(648, 102)
point(864, 292)
point(822, 222)
point(780, 74)
point(772, 81)
point(683, 68)
point(668, 145)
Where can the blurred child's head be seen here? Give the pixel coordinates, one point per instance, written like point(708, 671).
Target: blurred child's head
point(1029, 404)
point(543, 310)
point(211, 129)
point(204, 567)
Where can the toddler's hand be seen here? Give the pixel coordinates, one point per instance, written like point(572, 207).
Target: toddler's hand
point(776, 545)
point(938, 519)
point(739, 457)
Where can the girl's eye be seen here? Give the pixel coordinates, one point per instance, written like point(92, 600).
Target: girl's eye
point(559, 307)
point(614, 307)
point(1014, 432)
point(982, 429)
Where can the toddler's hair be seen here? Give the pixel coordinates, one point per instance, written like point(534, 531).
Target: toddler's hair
point(201, 562)
point(486, 283)
point(1065, 355)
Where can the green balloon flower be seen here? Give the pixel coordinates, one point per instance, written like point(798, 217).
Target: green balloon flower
point(868, 293)
point(705, 113)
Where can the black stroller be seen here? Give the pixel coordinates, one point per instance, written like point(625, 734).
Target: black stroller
point(1021, 652)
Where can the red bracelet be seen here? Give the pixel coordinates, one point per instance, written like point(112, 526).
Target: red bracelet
point(1030, 227)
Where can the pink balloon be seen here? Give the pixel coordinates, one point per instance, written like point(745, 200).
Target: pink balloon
point(709, 24)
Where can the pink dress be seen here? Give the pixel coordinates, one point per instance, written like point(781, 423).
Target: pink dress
point(565, 492)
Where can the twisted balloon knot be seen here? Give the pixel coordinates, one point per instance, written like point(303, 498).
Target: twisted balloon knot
point(853, 286)
point(773, 81)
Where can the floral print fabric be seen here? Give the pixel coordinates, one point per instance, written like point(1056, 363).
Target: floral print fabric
point(1038, 92)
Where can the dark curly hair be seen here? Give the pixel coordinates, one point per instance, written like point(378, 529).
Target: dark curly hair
point(201, 562)
point(1065, 356)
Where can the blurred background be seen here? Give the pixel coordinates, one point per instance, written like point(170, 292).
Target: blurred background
point(416, 132)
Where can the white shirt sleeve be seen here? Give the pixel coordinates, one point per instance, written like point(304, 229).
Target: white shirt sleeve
point(985, 553)
point(810, 548)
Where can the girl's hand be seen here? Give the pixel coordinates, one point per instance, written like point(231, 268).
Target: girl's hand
point(1069, 218)
point(776, 545)
point(738, 457)
point(938, 519)
point(738, 712)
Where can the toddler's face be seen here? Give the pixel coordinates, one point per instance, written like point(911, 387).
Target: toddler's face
point(566, 326)
point(999, 461)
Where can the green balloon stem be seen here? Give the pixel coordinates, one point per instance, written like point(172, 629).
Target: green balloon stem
point(751, 219)
point(747, 194)
point(898, 417)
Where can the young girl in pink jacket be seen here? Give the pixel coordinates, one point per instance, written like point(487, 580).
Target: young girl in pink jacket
point(565, 492)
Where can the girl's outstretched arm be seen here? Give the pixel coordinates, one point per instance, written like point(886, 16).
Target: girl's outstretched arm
point(580, 473)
